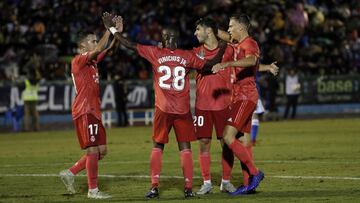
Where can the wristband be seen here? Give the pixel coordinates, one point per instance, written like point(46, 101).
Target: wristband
point(113, 30)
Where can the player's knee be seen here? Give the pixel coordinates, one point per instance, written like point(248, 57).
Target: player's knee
point(92, 150)
point(205, 145)
point(103, 152)
point(227, 139)
point(205, 141)
point(184, 145)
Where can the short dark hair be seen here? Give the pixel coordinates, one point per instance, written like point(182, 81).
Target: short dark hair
point(242, 19)
point(81, 35)
point(172, 28)
point(208, 22)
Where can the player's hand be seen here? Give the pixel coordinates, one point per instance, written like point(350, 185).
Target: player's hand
point(218, 67)
point(119, 25)
point(274, 69)
point(107, 19)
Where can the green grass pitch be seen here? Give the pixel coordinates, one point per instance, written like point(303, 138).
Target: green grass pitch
point(303, 161)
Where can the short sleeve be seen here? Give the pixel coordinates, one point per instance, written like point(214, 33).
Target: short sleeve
point(147, 52)
point(251, 48)
point(195, 61)
point(229, 54)
point(80, 61)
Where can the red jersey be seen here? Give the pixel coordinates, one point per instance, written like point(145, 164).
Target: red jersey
point(207, 85)
point(171, 76)
point(86, 82)
point(244, 87)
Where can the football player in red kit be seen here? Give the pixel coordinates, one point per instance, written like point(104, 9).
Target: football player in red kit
point(171, 67)
point(244, 96)
point(86, 109)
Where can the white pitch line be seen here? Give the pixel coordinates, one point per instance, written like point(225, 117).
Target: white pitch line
point(195, 161)
point(316, 177)
point(180, 177)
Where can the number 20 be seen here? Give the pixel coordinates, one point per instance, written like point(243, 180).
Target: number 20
point(198, 121)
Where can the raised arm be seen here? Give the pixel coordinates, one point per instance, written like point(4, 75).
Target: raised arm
point(100, 47)
point(109, 24)
point(114, 45)
point(223, 35)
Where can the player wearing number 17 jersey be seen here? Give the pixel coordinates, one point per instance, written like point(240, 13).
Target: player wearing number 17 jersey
point(171, 68)
point(86, 111)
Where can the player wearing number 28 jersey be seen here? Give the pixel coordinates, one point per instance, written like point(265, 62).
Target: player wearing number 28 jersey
point(172, 102)
point(171, 76)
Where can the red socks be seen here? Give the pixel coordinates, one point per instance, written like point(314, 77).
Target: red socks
point(242, 154)
point(78, 166)
point(155, 166)
point(227, 162)
point(205, 161)
point(187, 167)
point(92, 169)
point(245, 170)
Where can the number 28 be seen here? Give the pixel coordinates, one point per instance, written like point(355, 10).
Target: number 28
point(178, 82)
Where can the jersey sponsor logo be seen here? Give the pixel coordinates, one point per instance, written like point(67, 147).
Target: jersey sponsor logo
point(96, 77)
point(200, 57)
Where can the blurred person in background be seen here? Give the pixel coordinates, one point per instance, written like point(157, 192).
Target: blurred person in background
point(120, 99)
point(30, 94)
point(292, 91)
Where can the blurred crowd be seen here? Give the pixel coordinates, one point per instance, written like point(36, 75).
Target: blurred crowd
point(313, 36)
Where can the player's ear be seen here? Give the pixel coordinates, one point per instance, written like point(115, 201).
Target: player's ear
point(207, 30)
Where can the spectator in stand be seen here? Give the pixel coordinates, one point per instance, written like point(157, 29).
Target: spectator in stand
point(293, 27)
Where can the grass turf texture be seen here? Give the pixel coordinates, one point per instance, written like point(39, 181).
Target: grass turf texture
point(308, 149)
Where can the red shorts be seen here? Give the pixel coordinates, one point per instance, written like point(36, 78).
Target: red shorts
point(204, 121)
point(240, 115)
point(90, 131)
point(182, 123)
